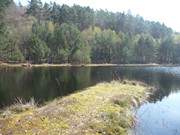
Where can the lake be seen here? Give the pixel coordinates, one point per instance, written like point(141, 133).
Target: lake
point(160, 116)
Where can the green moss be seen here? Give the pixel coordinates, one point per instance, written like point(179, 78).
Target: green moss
point(102, 109)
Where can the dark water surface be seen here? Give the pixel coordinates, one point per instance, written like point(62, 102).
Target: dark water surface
point(160, 116)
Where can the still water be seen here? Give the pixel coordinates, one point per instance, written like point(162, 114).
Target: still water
point(160, 116)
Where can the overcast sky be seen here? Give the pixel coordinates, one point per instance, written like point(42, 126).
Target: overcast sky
point(164, 11)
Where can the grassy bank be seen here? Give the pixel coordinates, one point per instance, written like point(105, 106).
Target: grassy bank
point(75, 65)
point(105, 108)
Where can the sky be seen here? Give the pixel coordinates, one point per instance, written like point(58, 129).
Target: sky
point(164, 11)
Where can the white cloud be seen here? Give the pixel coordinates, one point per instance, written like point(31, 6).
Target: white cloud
point(165, 11)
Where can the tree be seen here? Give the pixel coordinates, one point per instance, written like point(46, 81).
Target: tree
point(82, 55)
point(145, 49)
point(43, 30)
point(37, 50)
point(125, 52)
point(9, 51)
point(46, 11)
point(105, 19)
point(76, 34)
point(54, 13)
point(104, 46)
point(4, 4)
point(67, 40)
point(83, 17)
point(176, 54)
point(166, 51)
point(35, 9)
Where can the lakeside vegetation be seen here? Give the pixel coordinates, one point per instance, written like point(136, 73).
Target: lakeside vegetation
point(105, 108)
point(28, 65)
point(52, 33)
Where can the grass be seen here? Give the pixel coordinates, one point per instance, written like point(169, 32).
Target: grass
point(103, 109)
point(17, 107)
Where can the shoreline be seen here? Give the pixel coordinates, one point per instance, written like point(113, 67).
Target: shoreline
point(105, 108)
point(84, 65)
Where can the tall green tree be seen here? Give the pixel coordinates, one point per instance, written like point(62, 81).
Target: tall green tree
point(37, 50)
point(166, 51)
point(4, 4)
point(145, 49)
point(9, 50)
point(104, 45)
point(176, 54)
point(126, 50)
point(67, 40)
point(35, 9)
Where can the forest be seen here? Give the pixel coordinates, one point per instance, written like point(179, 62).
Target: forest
point(53, 33)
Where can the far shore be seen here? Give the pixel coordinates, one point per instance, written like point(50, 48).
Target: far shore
point(80, 65)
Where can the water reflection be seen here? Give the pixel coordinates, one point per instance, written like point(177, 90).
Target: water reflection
point(47, 83)
point(41, 83)
point(158, 117)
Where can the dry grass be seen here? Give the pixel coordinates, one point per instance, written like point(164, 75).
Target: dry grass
point(2, 64)
point(103, 109)
point(18, 107)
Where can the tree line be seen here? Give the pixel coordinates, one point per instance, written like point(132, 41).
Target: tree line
point(52, 33)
